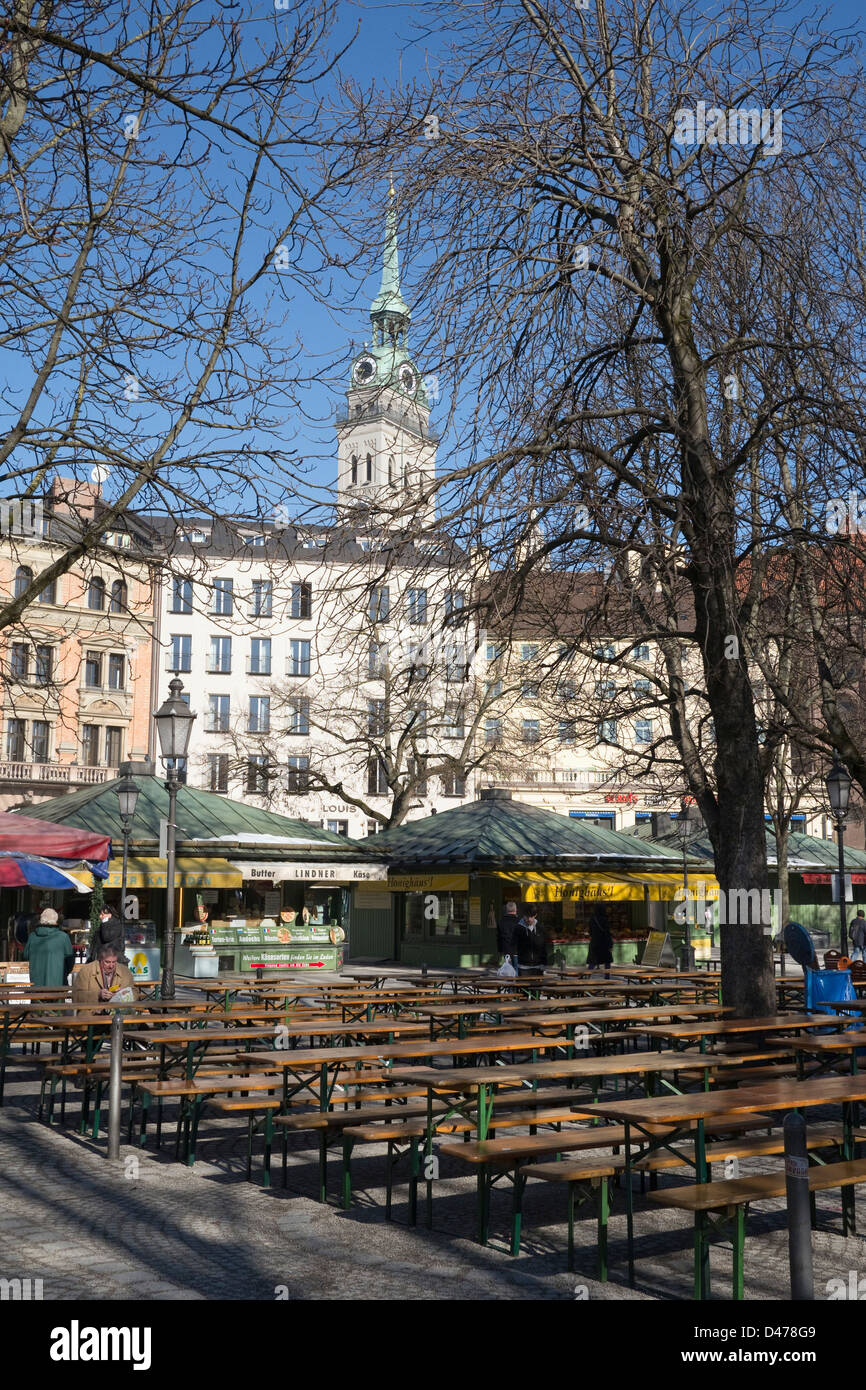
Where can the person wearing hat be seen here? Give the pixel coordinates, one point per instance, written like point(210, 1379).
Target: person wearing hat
point(530, 942)
point(49, 951)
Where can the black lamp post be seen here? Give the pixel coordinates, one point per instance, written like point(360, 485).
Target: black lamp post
point(127, 797)
point(174, 721)
point(684, 832)
point(838, 783)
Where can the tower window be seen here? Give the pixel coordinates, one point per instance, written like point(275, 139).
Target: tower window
point(390, 470)
point(355, 469)
point(369, 477)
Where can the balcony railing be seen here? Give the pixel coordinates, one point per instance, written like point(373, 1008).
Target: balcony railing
point(64, 774)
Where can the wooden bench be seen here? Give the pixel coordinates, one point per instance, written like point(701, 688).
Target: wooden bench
point(724, 1206)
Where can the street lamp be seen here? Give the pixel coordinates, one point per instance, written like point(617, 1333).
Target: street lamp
point(838, 782)
point(174, 721)
point(127, 798)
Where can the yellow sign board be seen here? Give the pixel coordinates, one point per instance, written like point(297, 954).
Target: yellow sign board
point(425, 883)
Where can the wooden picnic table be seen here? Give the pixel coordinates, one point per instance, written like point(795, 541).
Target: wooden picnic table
point(733, 1027)
point(598, 1019)
point(326, 1063)
point(688, 1114)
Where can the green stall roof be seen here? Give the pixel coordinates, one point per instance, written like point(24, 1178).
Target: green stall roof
point(202, 817)
point(502, 833)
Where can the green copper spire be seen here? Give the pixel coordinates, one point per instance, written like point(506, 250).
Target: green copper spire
point(389, 300)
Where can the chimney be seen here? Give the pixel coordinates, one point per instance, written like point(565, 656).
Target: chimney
point(494, 794)
point(73, 496)
point(662, 823)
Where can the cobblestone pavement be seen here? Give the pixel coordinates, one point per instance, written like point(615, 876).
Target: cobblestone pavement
point(150, 1228)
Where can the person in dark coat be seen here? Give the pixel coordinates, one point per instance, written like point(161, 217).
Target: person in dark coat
point(600, 940)
point(49, 952)
point(530, 943)
point(108, 933)
point(506, 929)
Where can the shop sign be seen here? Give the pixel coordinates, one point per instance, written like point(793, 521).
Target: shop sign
point(423, 883)
point(626, 798)
point(330, 959)
point(828, 878)
point(313, 873)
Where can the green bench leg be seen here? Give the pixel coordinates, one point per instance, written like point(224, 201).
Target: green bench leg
point(142, 1129)
point(97, 1110)
point(571, 1199)
point(700, 1254)
point(195, 1115)
point(348, 1145)
point(517, 1213)
point(603, 1212)
point(415, 1151)
point(51, 1099)
point(269, 1139)
point(323, 1165)
point(389, 1178)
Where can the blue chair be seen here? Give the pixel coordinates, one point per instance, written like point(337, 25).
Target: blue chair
point(824, 987)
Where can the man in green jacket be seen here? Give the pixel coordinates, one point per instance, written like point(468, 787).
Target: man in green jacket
point(49, 951)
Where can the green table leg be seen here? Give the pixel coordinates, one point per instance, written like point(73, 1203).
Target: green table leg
point(517, 1212)
point(603, 1212)
point(348, 1145)
point(571, 1197)
point(700, 1245)
point(739, 1242)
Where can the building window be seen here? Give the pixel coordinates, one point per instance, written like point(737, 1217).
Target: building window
point(456, 665)
point(260, 657)
point(455, 604)
point(354, 470)
point(218, 714)
point(119, 599)
point(90, 745)
point(373, 827)
point(218, 772)
point(642, 687)
point(605, 690)
point(566, 691)
point(529, 690)
point(605, 653)
point(302, 600)
point(454, 784)
point(338, 827)
point(262, 602)
point(640, 652)
point(298, 776)
point(416, 774)
point(493, 731)
point(223, 597)
point(376, 716)
point(40, 740)
point(529, 651)
point(299, 716)
point(417, 607)
point(15, 740)
point(494, 651)
point(180, 656)
point(531, 731)
point(299, 657)
point(643, 731)
point(96, 593)
point(49, 593)
point(416, 721)
point(377, 661)
point(23, 580)
point(380, 603)
point(494, 690)
point(220, 656)
point(116, 671)
point(19, 661)
point(418, 668)
point(566, 731)
point(260, 714)
point(454, 722)
point(257, 773)
point(377, 777)
point(181, 595)
point(368, 477)
point(44, 665)
point(607, 731)
point(113, 747)
point(93, 670)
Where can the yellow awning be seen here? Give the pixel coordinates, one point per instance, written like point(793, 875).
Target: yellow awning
point(605, 885)
point(189, 873)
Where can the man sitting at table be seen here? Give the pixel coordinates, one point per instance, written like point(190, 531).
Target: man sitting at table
point(104, 980)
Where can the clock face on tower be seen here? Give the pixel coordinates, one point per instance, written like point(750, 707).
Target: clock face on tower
point(408, 380)
point(365, 369)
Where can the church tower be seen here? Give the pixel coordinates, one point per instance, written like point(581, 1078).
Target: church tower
point(386, 456)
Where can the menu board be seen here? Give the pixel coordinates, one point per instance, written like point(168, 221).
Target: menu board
point(222, 934)
point(329, 959)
